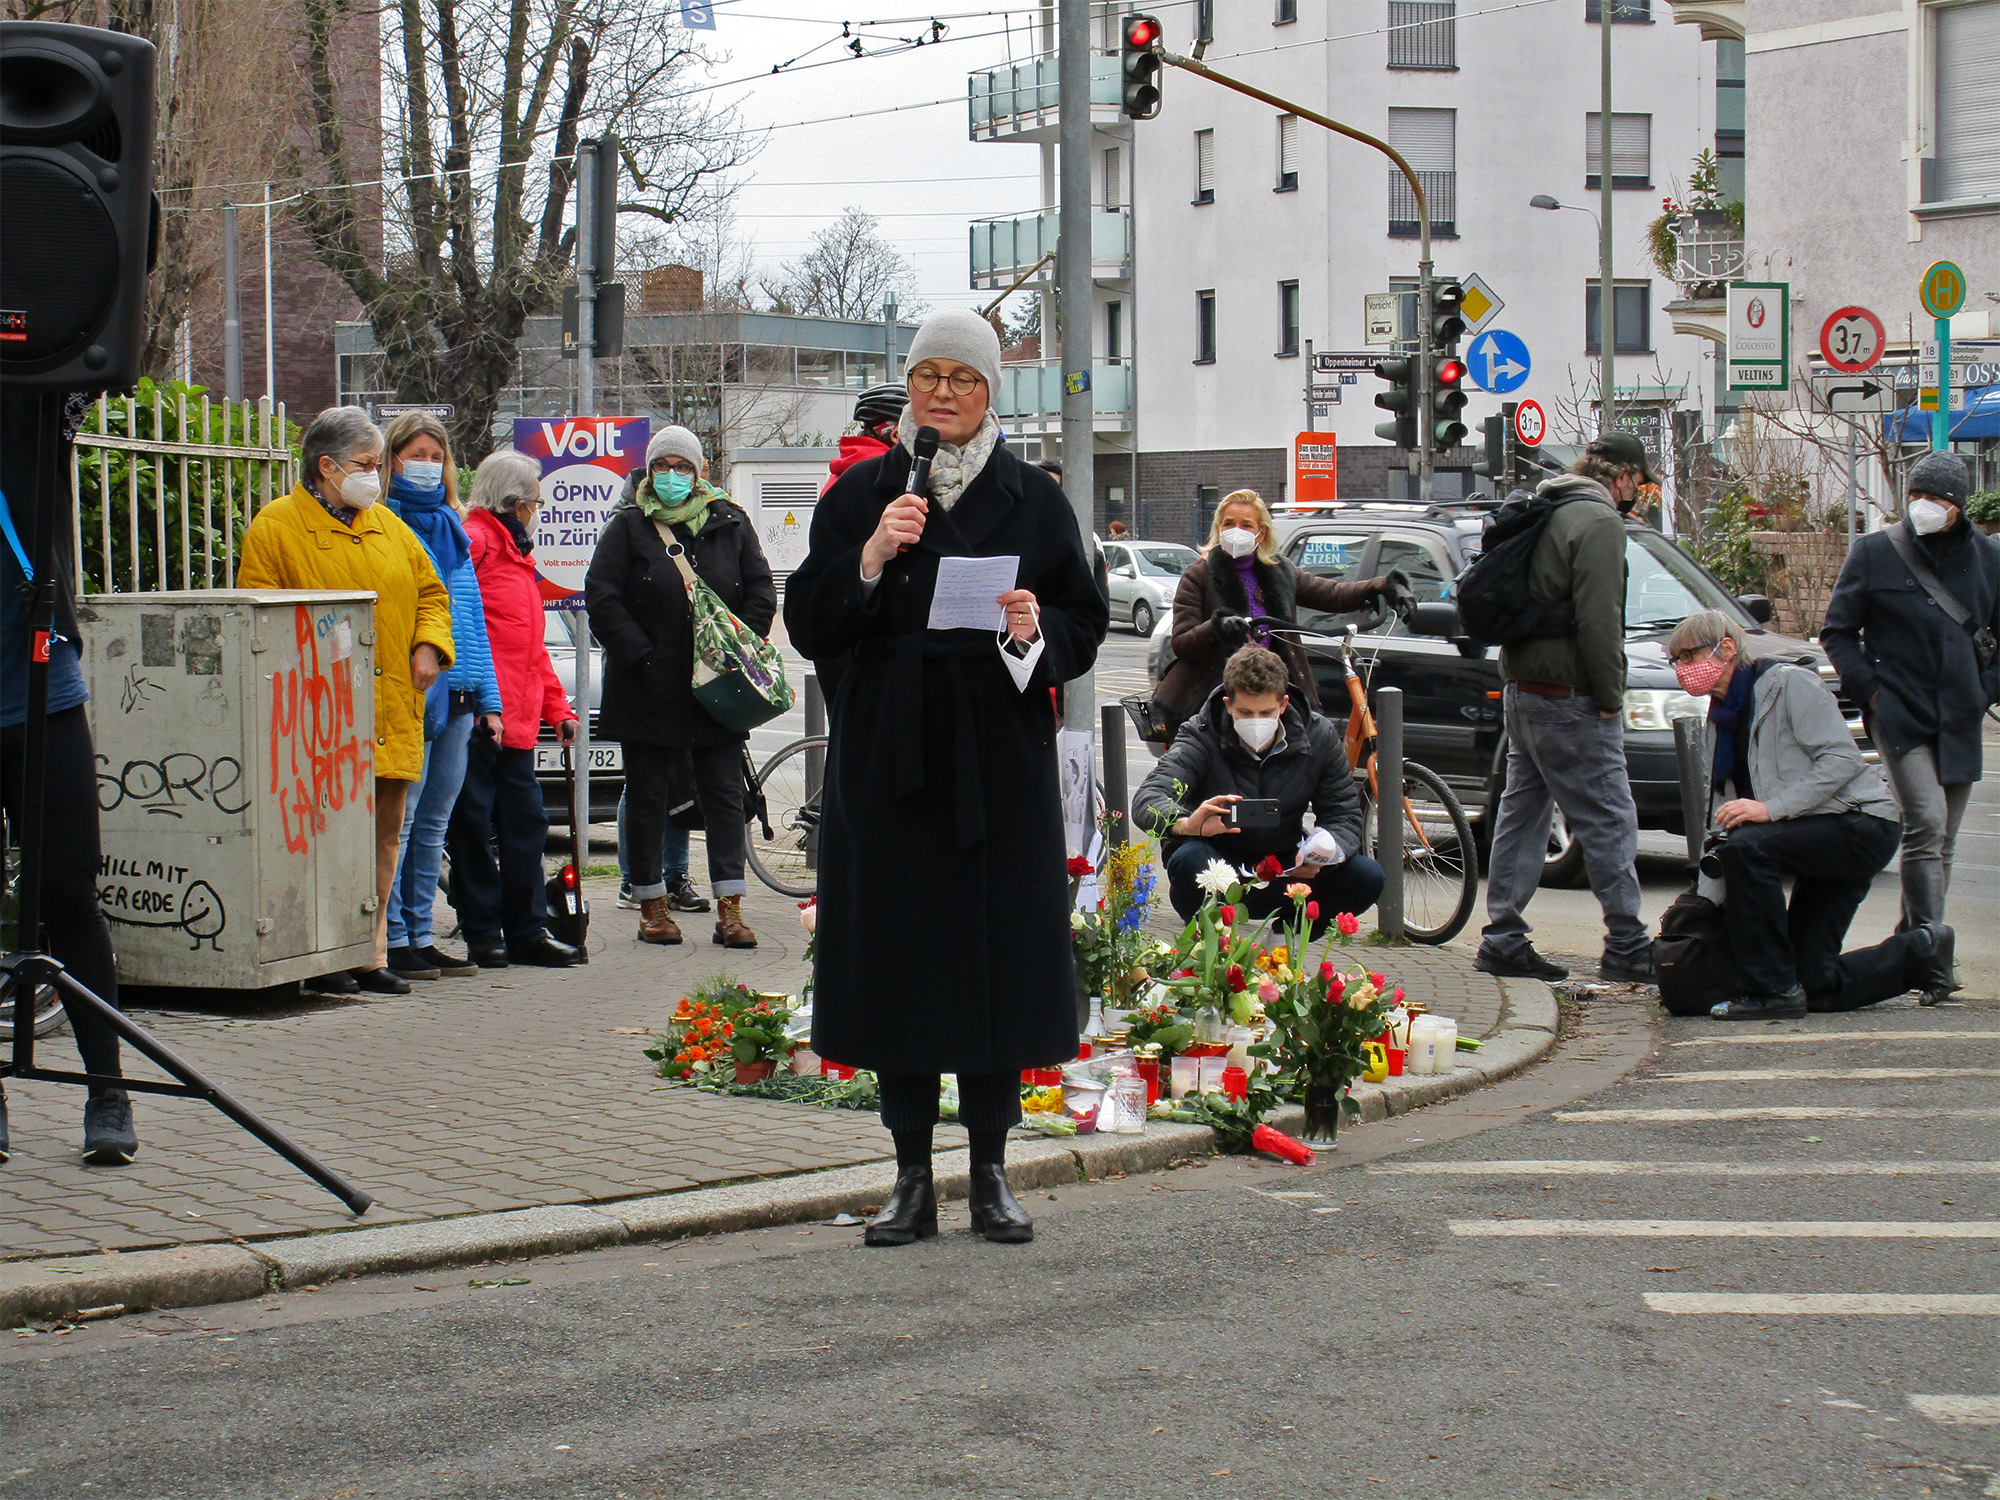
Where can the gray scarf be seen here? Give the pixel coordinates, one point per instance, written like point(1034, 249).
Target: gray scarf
point(953, 468)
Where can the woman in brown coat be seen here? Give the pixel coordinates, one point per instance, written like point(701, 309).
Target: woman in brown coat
point(1230, 596)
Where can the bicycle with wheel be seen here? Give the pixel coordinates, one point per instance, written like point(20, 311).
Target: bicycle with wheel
point(783, 803)
point(1440, 860)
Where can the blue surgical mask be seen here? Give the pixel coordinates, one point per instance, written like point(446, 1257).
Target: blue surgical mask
point(673, 486)
point(423, 474)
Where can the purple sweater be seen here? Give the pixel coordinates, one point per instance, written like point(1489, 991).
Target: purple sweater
point(1246, 569)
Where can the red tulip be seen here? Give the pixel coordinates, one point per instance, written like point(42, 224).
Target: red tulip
point(1236, 981)
point(1227, 916)
point(1397, 997)
point(1312, 911)
point(1080, 867)
point(1348, 923)
point(1377, 980)
point(1326, 971)
point(1269, 867)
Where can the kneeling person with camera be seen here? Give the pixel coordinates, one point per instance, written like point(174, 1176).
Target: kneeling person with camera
point(1236, 785)
point(1800, 801)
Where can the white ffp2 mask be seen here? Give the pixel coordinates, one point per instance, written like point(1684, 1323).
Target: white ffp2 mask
point(1237, 542)
point(360, 490)
point(1927, 516)
point(1257, 734)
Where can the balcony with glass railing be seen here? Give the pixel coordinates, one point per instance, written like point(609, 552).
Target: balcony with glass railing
point(1030, 395)
point(1019, 102)
point(1004, 250)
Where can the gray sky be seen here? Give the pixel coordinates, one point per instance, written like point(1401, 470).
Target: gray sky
point(916, 169)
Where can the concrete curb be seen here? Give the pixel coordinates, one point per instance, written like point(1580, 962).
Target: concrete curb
point(200, 1275)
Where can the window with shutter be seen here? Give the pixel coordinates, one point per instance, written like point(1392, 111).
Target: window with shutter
point(1113, 178)
point(1204, 166)
point(1288, 152)
point(1631, 150)
point(1423, 33)
point(1428, 141)
point(1204, 328)
point(1968, 101)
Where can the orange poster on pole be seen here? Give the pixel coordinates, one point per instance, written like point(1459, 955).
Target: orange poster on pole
point(1315, 464)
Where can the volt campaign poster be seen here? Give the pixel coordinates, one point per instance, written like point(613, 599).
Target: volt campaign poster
point(585, 461)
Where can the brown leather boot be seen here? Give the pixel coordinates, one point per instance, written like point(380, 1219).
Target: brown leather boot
point(730, 932)
point(656, 922)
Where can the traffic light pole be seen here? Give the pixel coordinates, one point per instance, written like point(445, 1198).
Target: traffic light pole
point(1424, 459)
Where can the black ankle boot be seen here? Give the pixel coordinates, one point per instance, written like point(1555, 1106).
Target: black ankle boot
point(911, 1212)
point(996, 1213)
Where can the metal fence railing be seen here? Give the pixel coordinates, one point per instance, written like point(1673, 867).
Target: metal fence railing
point(164, 487)
point(1441, 188)
point(1423, 33)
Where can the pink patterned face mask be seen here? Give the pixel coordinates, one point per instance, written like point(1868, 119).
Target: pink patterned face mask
point(1698, 678)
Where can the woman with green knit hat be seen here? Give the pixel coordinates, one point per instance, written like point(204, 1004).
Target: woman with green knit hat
point(640, 614)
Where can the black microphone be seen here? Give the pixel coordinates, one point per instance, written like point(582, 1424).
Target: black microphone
point(923, 448)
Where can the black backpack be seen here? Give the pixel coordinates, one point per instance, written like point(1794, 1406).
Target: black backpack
point(1692, 957)
point(1492, 594)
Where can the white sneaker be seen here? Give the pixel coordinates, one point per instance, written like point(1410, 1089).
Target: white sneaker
point(626, 900)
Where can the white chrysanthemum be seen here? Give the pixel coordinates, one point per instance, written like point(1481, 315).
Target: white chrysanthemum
point(1217, 878)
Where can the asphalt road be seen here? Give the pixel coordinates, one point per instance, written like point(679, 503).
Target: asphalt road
point(1439, 1308)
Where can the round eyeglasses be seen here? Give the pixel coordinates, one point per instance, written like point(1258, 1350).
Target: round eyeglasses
point(963, 382)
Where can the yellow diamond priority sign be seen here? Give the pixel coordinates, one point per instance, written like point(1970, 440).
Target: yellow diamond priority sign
point(1481, 304)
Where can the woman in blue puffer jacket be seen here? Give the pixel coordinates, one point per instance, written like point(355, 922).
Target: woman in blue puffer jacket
point(423, 491)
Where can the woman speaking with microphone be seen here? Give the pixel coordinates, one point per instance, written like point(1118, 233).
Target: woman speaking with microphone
point(943, 928)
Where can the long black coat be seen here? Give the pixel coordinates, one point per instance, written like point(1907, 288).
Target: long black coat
point(1885, 636)
point(639, 612)
point(943, 928)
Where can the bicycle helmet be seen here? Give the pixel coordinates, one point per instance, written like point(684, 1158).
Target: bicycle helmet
point(879, 404)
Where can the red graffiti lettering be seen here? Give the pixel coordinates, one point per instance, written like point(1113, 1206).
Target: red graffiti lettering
point(313, 740)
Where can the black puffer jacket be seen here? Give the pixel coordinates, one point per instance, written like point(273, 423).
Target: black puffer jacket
point(639, 612)
point(1206, 759)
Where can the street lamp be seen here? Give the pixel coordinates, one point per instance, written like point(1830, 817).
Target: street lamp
point(1606, 313)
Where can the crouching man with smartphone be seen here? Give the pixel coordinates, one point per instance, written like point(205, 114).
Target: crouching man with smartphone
point(1236, 785)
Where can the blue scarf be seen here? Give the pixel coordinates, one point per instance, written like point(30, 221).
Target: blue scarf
point(436, 524)
point(1730, 714)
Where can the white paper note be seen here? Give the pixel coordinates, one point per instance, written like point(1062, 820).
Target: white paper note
point(968, 592)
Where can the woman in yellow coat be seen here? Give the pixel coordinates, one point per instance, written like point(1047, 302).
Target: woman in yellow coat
point(330, 534)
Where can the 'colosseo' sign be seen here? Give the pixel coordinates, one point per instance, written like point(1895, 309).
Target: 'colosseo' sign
point(585, 461)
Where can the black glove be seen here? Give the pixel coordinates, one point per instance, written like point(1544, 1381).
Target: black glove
point(1232, 630)
point(1397, 593)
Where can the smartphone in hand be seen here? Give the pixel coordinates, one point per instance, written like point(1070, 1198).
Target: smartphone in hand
point(1254, 814)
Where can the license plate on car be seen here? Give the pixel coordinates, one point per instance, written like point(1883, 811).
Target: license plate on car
point(602, 758)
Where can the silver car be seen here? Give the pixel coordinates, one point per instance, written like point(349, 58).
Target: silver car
point(1143, 577)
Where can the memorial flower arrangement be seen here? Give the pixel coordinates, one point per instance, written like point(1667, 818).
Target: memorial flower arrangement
point(1218, 952)
point(1111, 946)
point(725, 1031)
point(1321, 1015)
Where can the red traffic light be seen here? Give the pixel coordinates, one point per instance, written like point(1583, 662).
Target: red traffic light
point(1141, 31)
point(1450, 371)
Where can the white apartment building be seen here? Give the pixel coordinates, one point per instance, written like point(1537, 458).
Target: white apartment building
point(1254, 232)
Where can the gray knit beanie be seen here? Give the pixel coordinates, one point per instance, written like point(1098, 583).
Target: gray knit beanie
point(677, 441)
point(1943, 475)
point(961, 334)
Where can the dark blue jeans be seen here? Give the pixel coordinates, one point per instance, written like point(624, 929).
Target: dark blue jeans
point(1354, 886)
point(499, 811)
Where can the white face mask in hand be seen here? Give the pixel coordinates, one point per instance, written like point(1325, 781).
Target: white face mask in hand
point(1927, 516)
point(1237, 542)
point(1257, 733)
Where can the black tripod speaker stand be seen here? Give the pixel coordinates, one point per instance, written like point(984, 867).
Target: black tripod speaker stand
point(25, 974)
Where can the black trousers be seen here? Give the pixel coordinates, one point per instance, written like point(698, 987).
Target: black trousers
point(78, 936)
point(986, 1101)
point(1832, 858)
point(499, 808)
point(718, 782)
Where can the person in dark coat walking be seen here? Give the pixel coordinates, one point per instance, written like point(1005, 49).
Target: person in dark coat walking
point(943, 930)
point(1923, 680)
point(640, 612)
point(1251, 740)
point(1236, 589)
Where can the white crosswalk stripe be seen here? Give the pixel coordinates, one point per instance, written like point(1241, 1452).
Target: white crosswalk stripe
point(1753, 1229)
point(1959, 1411)
point(1775, 1112)
point(1687, 1168)
point(1830, 1304)
point(1820, 1075)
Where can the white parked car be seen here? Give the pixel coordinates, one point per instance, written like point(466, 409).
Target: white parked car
point(1142, 578)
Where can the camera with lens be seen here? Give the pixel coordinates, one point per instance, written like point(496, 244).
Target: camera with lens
point(1711, 852)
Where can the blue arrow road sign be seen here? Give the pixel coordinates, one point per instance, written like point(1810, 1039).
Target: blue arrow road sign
point(1498, 361)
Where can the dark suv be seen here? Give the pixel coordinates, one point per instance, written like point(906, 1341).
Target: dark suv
point(1451, 691)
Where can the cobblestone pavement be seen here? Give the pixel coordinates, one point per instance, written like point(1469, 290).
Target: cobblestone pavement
point(517, 1088)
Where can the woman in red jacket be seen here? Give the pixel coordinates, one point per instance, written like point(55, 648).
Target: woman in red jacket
point(502, 908)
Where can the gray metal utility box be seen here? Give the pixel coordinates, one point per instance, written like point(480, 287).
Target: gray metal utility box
point(235, 736)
